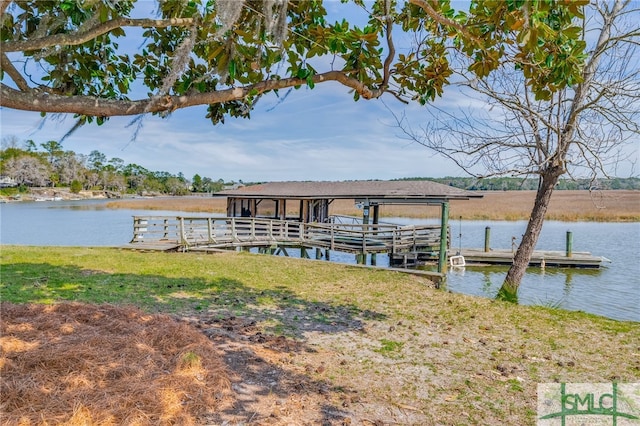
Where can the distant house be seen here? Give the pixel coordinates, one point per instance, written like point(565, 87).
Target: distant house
point(232, 186)
point(7, 182)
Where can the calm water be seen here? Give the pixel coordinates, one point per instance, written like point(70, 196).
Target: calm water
point(613, 291)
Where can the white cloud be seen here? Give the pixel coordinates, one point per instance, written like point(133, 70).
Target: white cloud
point(319, 134)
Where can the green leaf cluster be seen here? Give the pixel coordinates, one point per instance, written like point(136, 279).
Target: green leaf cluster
point(541, 38)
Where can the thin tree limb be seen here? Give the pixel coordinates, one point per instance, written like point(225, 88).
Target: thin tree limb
point(76, 38)
point(15, 75)
point(424, 5)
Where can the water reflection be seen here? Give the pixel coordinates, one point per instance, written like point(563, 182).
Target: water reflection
point(552, 287)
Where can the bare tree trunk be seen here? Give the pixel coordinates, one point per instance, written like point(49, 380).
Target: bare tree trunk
point(509, 289)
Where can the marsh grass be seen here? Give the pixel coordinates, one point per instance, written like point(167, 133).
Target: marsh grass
point(598, 206)
point(390, 337)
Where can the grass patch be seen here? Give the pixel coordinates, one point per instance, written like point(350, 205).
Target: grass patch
point(240, 283)
point(389, 347)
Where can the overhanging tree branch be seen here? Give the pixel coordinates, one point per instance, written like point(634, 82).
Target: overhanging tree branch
point(86, 105)
point(76, 38)
point(392, 50)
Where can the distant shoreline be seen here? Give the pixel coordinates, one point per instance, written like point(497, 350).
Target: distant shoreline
point(566, 205)
point(59, 194)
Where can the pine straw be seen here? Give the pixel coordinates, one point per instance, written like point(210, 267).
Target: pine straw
point(75, 364)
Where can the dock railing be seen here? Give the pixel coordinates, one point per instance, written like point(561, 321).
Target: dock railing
point(229, 232)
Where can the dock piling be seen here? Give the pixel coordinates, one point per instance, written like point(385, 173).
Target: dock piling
point(569, 243)
point(487, 239)
point(444, 224)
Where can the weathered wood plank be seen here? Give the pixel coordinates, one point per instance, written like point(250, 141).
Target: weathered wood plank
point(153, 246)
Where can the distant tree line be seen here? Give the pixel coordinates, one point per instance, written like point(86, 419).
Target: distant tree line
point(49, 164)
point(29, 164)
point(517, 184)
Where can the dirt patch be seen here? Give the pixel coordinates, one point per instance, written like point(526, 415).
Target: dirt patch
point(280, 380)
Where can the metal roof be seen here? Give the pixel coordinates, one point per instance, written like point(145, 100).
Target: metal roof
point(374, 190)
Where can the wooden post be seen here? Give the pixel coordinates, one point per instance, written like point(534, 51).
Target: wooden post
point(165, 228)
point(234, 233)
point(487, 239)
point(183, 236)
point(318, 253)
point(231, 206)
point(376, 216)
point(444, 224)
point(569, 243)
point(362, 257)
point(327, 255)
point(365, 213)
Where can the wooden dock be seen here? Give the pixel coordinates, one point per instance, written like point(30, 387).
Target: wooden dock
point(201, 233)
point(540, 258)
point(406, 245)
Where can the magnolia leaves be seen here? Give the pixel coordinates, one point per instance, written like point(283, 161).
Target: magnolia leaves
point(186, 50)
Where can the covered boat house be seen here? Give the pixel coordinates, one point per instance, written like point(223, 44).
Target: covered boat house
point(309, 203)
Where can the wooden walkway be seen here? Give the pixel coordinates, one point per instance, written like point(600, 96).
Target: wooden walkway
point(201, 233)
point(406, 245)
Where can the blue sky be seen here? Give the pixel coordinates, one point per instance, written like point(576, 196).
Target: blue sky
point(319, 134)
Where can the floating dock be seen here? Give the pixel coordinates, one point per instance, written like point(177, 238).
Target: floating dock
point(540, 258)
